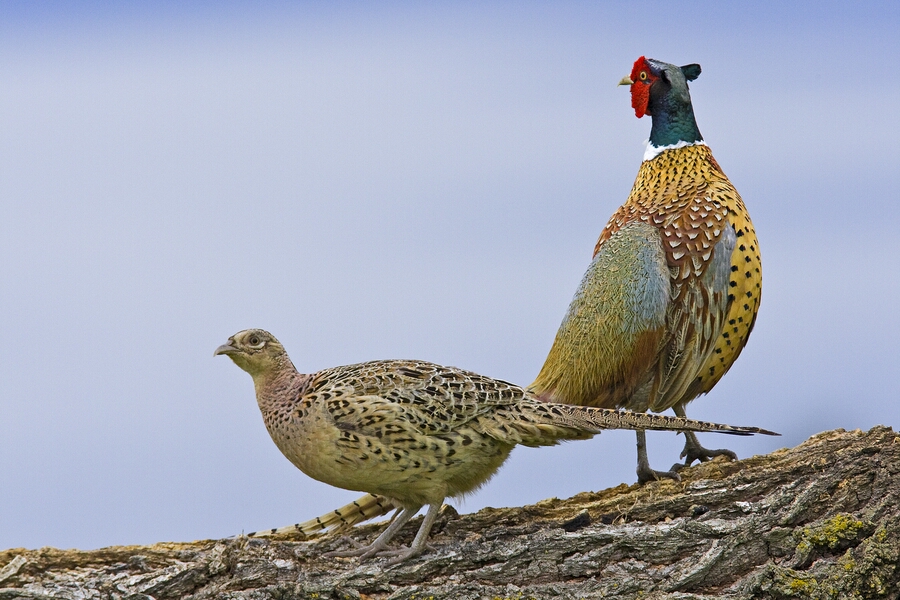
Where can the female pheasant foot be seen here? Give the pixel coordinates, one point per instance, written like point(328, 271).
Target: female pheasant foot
point(381, 542)
point(379, 546)
point(644, 472)
point(420, 542)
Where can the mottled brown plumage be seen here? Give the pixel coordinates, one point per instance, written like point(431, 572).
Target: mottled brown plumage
point(673, 290)
point(411, 431)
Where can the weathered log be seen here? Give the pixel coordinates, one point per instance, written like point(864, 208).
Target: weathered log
point(821, 520)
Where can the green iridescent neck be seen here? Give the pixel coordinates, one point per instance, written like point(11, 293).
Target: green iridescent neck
point(673, 122)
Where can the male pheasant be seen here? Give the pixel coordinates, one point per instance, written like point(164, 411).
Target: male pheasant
point(672, 292)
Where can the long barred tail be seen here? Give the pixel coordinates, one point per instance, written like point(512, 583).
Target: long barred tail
point(362, 509)
point(595, 420)
point(602, 418)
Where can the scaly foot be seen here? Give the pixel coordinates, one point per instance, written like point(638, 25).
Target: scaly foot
point(381, 542)
point(361, 551)
point(694, 451)
point(644, 472)
point(647, 474)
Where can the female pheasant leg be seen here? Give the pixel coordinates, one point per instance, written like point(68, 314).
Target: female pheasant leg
point(420, 542)
point(380, 543)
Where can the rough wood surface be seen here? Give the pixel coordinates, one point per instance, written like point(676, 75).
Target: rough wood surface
point(818, 521)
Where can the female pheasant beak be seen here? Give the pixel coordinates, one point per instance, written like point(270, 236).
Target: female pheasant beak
point(626, 81)
point(225, 348)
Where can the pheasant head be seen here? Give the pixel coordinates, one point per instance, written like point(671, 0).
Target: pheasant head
point(255, 351)
point(660, 90)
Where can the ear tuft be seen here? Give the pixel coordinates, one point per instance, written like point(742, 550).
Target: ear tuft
point(691, 72)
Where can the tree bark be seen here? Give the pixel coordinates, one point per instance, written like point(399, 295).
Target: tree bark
point(821, 520)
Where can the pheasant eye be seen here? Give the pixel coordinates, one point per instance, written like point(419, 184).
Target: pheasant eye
point(254, 341)
point(643, 75)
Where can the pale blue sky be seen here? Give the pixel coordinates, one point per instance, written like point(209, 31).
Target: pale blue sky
point(398, 181)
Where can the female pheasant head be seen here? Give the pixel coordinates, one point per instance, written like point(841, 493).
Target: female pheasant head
point(257, 352)
point(660, 90)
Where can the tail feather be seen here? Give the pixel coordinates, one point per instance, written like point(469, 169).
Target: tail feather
point(598, 419)
point(539, 423)
point(362, 509)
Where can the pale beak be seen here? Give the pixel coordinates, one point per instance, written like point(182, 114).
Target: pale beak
point(626, 81)
point(225, 349)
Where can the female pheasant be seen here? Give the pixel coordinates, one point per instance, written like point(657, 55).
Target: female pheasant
point(410, 431)
point(672, 292)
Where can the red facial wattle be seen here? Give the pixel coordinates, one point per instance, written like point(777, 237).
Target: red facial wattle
point(642, 79)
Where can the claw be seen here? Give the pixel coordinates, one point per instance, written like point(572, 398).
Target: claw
point(379, 546)
point(694, 451)
point(647, 474)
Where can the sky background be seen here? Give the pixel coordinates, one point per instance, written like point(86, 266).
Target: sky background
point(398, 181)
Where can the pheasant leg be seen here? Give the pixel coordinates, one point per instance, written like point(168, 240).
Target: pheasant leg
point(381, 542)
point(693, 450)
point(421, 540)
point(644, 472)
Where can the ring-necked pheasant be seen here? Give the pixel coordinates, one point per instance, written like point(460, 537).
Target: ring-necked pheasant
point(411, 431)
point(671, 295)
